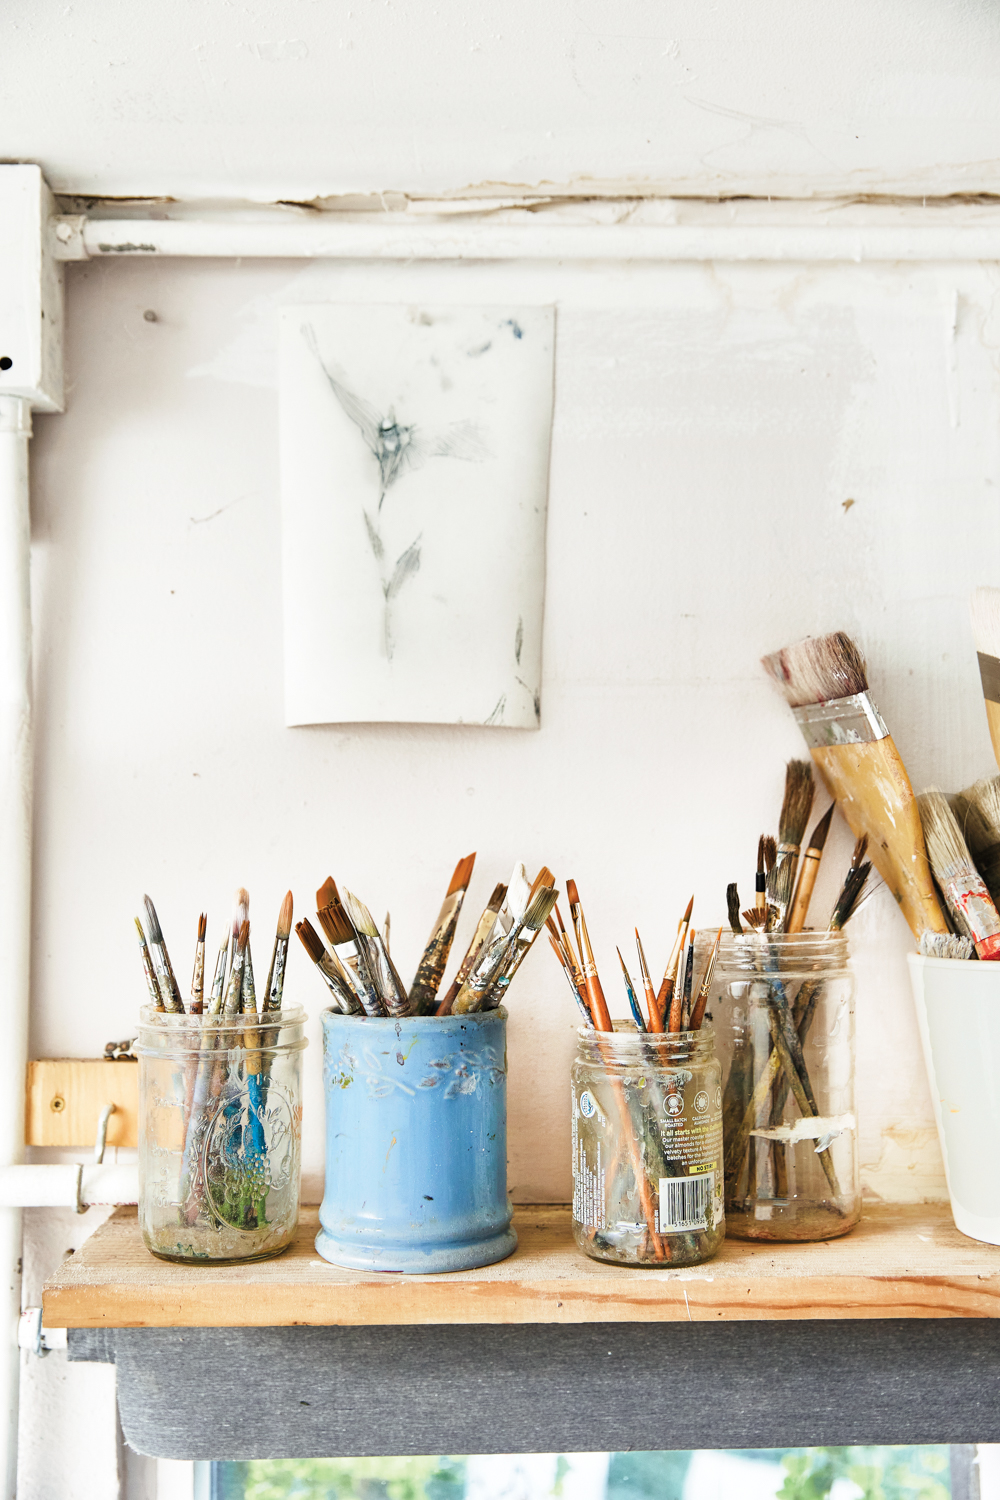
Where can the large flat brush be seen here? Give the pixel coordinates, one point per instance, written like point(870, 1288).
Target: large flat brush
point(826, 685)
point(423, 990)
point(985, 609)
point(978, 809)
point(962, 886)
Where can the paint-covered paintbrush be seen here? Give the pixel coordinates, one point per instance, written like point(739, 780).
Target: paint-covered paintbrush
point(733, 908)
point(571, 981)
point(680, 1003)
point(155, 998)
point(219, 978)
point(480, 937)
point(332, 971)
point(825, 683)
point(808, 870)
point(166, 983)
point(698, 1013)
point(655, 1021)
point(430, 970)
point(665, 994)
point(234, 989)
point(333, 918)
point(595, 995)
point(985, 604)
point(760, 885)
point(978, 810)
point(800, 790)
point(961, 884)
point(633, 1003)
point(279, 956)
point(198, 977)
point(535, 918)
point(501, 956)
point(377, 960)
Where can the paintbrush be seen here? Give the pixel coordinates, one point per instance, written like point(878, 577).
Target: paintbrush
point(279, 955)
point(479, 939)
point(380, 966)
point(166, 983)
point(808, 871)
point(219, 979)
point(962, 886)
point(665, 995)
point(655, 1019)
point(779, 894)
point(423, 991)
point(198, 977)
point(234, 990)
point(685, 1015)
point(499, 953)
point(595, 995)
point(698, 1013)
point(241, 914)
point(946, 945)
point(580, 1004)
point(760, 886)
point(985, 608)
point(978, 809)
point(800, 789)
point(331, 969)
point(825, 683)
point(333, 919)
point(640, 1024)
point(733, 908)
point(535, 918)
point(156, 999)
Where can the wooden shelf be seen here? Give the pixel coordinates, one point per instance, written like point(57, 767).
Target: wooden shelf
point(901, 1262)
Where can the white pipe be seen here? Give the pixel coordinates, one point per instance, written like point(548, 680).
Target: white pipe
point(68, 1185)
point(15, 882)
point(340, 237)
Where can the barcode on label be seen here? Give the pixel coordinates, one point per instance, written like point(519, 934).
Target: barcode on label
point(685, 1202)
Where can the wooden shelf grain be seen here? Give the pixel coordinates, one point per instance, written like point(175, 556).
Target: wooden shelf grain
point(901, 1262)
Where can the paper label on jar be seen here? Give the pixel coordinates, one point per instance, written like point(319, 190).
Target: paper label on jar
point(690, 1131)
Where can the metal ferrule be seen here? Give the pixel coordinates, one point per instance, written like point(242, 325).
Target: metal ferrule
point(841, 721)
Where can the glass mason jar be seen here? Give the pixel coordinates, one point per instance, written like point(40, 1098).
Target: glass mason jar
point(647, 1146)
point(220, 1126)
point(783, 1009)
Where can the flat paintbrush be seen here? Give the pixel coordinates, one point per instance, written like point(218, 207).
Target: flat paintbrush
point(535, 918)
point(800, 789)
point(500, 953)
point(423, 991)
point(155, 998)
point(333, 919)
point(331, 970)
point(279, 956)
point(825, 682)
point(665, 995)
point(595, 994)
point(198, 977)
point(978, 809)
point(479, 939)
point(962, 886)
point(733, 908)
point(377, 960)
point(808, 871)
point(986, 630)
point(167, 984)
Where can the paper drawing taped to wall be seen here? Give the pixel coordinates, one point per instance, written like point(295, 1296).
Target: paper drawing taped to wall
point(414, 469)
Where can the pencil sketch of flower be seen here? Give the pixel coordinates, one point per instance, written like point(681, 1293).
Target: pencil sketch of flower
point(396, 447)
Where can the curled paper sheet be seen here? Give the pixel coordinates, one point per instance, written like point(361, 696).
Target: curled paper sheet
point(819, 1128)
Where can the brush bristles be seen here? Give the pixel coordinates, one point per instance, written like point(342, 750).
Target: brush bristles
point(331, 914)
point(155, 935)
point(979, 814)
point(984, 607)
point(800, 789)
point(945, 945)
point(202, 926)
point(539, 909)
point(463, 874)
point(733, 907)
point(770, 853)
point(359, 916)
point(285, 916)
point(327, 895)
point(760, 855)
point(756, 917)
point(818, 669)
point(779, 883)
point(850, 895)
point(946, 848)
point(311, 940)
point(817, 839)
point(572, 894)
point(498, 897)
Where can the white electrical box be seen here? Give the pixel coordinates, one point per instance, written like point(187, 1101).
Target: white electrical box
point(31, 292)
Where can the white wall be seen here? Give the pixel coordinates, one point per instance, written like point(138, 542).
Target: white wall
point(710, 425)
point(298, 99)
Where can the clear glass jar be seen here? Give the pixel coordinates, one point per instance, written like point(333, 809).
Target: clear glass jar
point(647, 1146)
point(783, 1009)
point(220, 1127)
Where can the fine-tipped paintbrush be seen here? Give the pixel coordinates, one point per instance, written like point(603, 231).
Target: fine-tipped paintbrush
point(986, 630)
point(279, 955)
point(571, 981)
point(681, 998)
point(568, 955)
point(377, 961)
point(155, 998)
point(166, 983)
point(198, 977)
point(595, 995)
point(698, 1013)
point(978, 809)
point(962, 886)
point(480, 937)
point(826, 684)
point(800, 789)
point(423, 991)
point(331, 969)
point(219, 980)
point(808, 871)
point(652, 1009)
point(665, 995)
point(760, 880)
point(633, 1003)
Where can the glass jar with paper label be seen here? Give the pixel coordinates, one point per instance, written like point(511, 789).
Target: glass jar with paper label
point(647, 1146)
point(783, 1007)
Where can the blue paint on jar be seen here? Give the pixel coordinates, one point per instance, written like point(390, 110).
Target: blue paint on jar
point(416, 1143)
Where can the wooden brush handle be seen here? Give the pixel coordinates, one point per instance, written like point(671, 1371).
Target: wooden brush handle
point(803, 892)
point(874, 793)
point(993, 720)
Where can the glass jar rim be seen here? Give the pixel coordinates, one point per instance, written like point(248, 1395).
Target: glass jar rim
point(625, 1039)
point(167, 1020)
